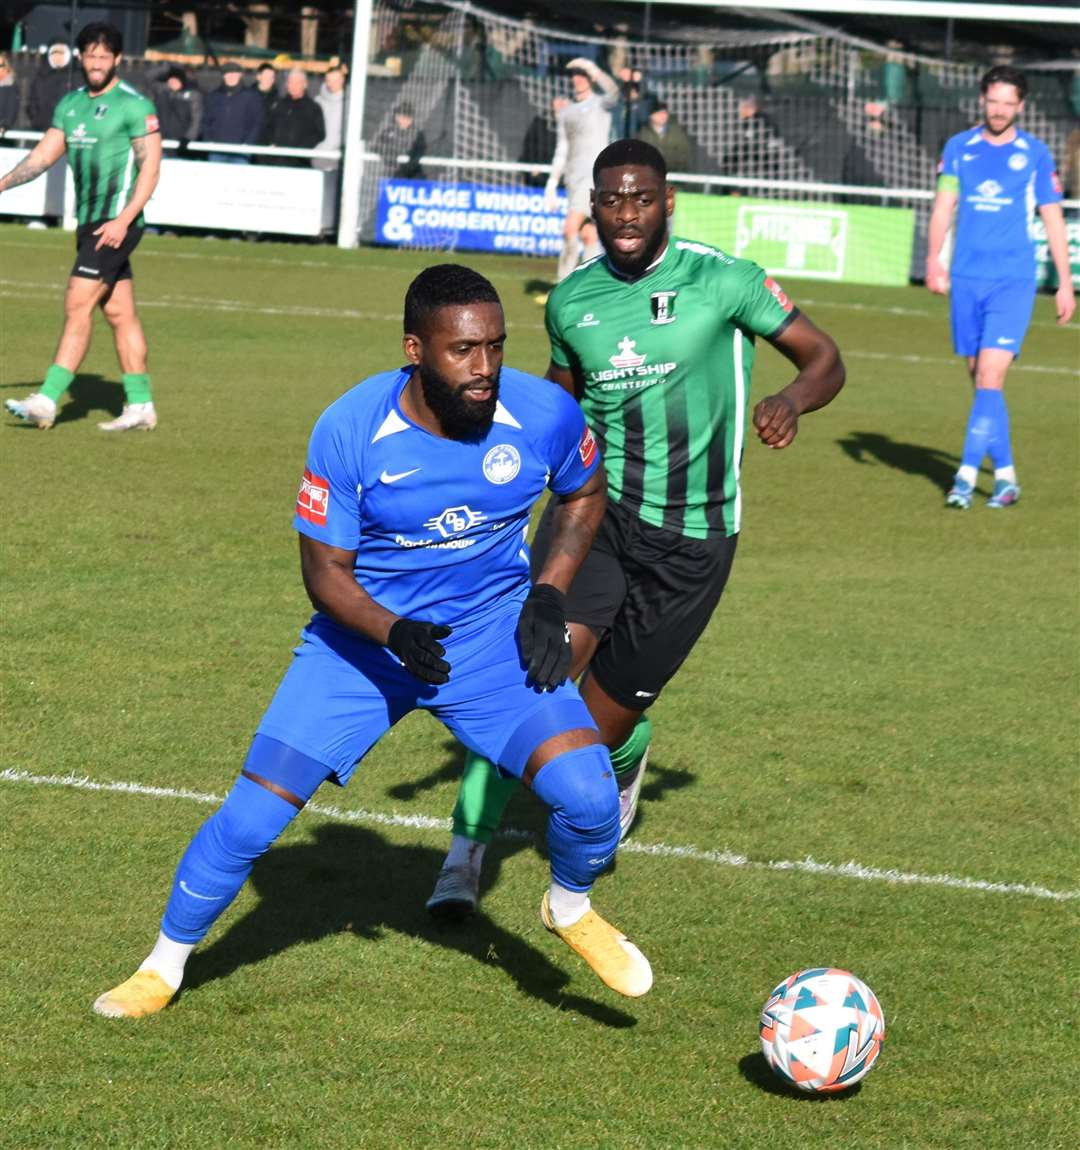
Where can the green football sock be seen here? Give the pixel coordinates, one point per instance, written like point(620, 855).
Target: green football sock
point(629, 754)
point(57, 381)
point(136, 388)
point(482, 798)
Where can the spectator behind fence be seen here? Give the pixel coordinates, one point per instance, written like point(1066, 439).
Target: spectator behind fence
point(539, 143)
point(865, 146)
point(52, 80)
point(266, 86)
point(179, 105)
point(331, 99)
point(296, 120)
point(9, 95)
point(234, 115)
point(637, 105)
point(668, 137)
point(403, 137)
point(755, 149)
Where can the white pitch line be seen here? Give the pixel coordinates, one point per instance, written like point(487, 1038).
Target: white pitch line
point(852, 870)
point(301, 311)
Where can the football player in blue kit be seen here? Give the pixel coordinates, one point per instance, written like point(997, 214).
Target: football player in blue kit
point(993, 176)
point(412, 515)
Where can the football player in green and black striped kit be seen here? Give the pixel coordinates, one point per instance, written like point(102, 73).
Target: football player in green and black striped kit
point(656, 340)
point(110, 134)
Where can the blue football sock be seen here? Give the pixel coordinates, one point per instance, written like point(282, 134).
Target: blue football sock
point(583, 830)
point(221, 856)
point(986, 407)
point(1000, 447)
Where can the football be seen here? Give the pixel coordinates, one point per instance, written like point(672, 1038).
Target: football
point(822, 1030)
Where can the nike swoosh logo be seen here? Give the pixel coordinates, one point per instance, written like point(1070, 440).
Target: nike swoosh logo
point(195, 894)
point(386, 477)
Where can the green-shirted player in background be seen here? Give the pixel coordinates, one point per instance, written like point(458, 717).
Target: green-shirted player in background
point(110, 134)
point(656, 340)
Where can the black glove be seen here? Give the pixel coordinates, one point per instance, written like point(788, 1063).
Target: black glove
point(544, 639)
point(417, 645)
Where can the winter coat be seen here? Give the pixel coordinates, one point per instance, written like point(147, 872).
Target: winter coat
point(47, 87)
point(233, 116)
point(333, 110)
point(295, 124)
point(673, 145)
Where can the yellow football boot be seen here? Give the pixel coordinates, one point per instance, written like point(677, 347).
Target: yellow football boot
point(145, 992)
point(608, 951)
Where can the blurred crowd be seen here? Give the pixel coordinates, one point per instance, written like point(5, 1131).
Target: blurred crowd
point(268, 106)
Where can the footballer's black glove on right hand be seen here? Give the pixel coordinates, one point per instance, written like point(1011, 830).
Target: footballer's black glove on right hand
point(417, 645)
point(544, 639)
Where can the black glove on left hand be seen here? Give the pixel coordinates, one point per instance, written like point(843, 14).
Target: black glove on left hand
point(544, 639)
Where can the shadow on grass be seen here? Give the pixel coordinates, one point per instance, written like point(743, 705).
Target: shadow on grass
point(88, 394)
point(912, 458)
point(351, 879)
point(537, 287)
point(525, 813)
point(755, 1070)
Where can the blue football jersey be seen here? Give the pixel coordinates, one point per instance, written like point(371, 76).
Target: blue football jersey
point(999, 187)
point(438, 525)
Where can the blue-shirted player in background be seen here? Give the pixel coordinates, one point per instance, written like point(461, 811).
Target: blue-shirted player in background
point(412, 515)
point(994, 176)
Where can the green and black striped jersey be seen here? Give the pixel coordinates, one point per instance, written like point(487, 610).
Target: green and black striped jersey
point(98, 131)
point(663, 370)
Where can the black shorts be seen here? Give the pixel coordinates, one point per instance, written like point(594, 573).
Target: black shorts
point(109, 265)
point(647, 594)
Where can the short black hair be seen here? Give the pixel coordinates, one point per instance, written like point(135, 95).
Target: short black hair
point(100, 33)
point(1004, 74)
point(264, 65)
point(444, 285)
point(630, 151)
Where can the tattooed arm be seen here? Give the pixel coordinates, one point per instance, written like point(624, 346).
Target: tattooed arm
point(147, 151)
point(48, 150)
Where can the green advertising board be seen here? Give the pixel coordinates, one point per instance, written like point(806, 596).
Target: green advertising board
point(1045, 271)
point(842, 242)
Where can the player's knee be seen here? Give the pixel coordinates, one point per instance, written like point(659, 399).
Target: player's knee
point(579, 786)
point(249, 820)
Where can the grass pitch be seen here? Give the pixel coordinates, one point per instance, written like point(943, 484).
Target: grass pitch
point(885, 683)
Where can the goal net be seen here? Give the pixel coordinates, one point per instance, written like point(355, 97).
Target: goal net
point(795, 140)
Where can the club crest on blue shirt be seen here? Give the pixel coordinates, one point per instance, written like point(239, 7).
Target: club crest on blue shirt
point(502, 463)
point(1018, 161)
point(663, 307)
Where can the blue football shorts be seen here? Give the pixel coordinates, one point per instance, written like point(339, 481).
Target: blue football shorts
point(990, 314)
point(342, 693)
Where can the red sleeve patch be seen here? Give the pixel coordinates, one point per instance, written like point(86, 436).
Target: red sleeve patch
point(587, 447)
point(152, 124)
point(1055, 179)
point(313, 499)
point(778, 294)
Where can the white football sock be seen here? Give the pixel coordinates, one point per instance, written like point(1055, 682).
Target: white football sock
point(168, 958)
point(968, 474)
point(465, 852)
point(567, 906)
point(1006, 473)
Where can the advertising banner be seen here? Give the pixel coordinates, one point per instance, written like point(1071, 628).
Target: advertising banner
point(847, 243)
point(243, 198)
point(41, 197)
point(467, 217)
point(1046, 274)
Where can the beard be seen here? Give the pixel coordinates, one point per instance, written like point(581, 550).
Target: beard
point(634, 264)
point(460, 418)
point(109, 77)
point(1002, 129)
